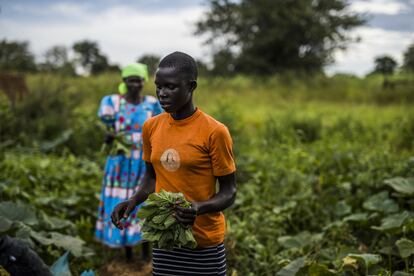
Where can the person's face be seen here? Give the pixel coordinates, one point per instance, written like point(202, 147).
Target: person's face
point(174, 91)
point(134, 84)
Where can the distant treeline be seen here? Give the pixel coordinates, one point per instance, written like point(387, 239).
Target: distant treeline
point(245, 37)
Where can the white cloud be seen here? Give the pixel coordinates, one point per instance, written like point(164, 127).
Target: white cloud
point(122, 33)
point(359, 57)
point(390, 7)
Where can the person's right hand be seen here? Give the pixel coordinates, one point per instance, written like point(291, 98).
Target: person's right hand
point(122, 210)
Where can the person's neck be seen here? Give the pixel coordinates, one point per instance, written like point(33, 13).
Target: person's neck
point(133, 97)
point(185, 112)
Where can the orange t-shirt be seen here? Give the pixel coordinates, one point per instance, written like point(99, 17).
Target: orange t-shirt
point(187, 156)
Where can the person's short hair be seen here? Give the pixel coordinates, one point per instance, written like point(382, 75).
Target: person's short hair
point(182, 62)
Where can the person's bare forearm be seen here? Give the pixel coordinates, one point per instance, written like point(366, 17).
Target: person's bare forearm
point(148, 186)
point(220, 201)
point(223, 199)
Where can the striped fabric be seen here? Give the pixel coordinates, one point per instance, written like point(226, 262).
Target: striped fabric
point(185, 261)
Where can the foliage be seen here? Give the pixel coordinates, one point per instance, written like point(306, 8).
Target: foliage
point(325, 171)
point(409, 58)
point(385, 65)
point(91, 59)
point(159, 225)
point(15, 56)
point(46, 200)
point(151, 61)
point(56, 60)
point(266, 38)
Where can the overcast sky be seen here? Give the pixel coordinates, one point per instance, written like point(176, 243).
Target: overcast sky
point(127, 29)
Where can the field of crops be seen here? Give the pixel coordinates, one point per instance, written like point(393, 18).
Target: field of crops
point(325, 172)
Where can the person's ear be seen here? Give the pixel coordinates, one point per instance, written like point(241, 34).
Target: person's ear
point(193, 85)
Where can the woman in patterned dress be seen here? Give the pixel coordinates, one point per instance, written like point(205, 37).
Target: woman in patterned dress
point(124, 115)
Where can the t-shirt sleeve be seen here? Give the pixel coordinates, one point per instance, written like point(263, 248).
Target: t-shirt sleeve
point(146, 144)
point(221, 152)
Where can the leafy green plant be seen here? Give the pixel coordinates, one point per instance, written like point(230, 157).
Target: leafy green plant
point(159, 225)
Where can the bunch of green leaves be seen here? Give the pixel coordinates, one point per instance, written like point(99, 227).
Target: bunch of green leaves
point(160, 226)
point(120, 144)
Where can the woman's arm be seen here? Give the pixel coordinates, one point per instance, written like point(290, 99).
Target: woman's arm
point(220, 201)
point(123, 209)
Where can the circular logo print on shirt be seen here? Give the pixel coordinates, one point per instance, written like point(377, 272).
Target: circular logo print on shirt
point(170, 160)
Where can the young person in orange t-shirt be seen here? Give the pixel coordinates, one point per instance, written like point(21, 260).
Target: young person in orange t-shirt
point(187, 151)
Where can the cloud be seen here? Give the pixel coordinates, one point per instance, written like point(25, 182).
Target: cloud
point(122, 33)
point(391, 7)
point(359, 57)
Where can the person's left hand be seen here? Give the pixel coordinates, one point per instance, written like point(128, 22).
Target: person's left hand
point(186, 216)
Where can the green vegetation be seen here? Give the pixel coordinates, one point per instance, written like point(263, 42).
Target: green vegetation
point(160, 227)
point(325, 171)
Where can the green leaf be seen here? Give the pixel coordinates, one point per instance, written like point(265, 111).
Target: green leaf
point(292, 268)
point(367, 259)
point(342, 209)
point(17, 212)
point(301, 240)
point(402, 185)
point(5, 224)
point(405, 247)
point(72, 244)
point(393, 221)
point(400, 273)
point(320, 269)
point(358, 217)
point(381, 203)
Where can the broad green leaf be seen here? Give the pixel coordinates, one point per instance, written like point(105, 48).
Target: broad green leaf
point(342, 209)
point(402, 185)
point(54, 223)
point(288, 206)
point(320, 269)
point(72, 244)
point(292, 268)
point(5, 224)
point(381, 203)
point(405, 247)
point(301, 240)
point(41, 238)
point(359, 217)
point(367, 259)
point(393, 221)
point(17, 212)
point(400, 273)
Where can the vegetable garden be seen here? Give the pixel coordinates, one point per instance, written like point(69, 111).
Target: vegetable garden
point(325, 172)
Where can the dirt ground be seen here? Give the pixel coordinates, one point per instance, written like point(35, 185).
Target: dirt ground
point(120, 267)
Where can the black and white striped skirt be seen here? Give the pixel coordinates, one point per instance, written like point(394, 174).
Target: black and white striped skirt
point(185, 261)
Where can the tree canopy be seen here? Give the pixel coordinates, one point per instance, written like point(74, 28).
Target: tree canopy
point(16, 56)
point(385, 65)
point(266, 37)
point(409, 59)
point(91, 59)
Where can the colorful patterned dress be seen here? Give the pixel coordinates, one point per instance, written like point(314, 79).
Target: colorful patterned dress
point(123, 172)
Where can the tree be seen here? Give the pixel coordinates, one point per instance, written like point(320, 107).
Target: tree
point(90, 58)
point(151, 61)
point(267, 36)
point(409, 59)
point(57, 61)
point(15, 56)
point(385, 65)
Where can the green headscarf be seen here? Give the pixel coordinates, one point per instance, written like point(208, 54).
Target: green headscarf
point(134, 69)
